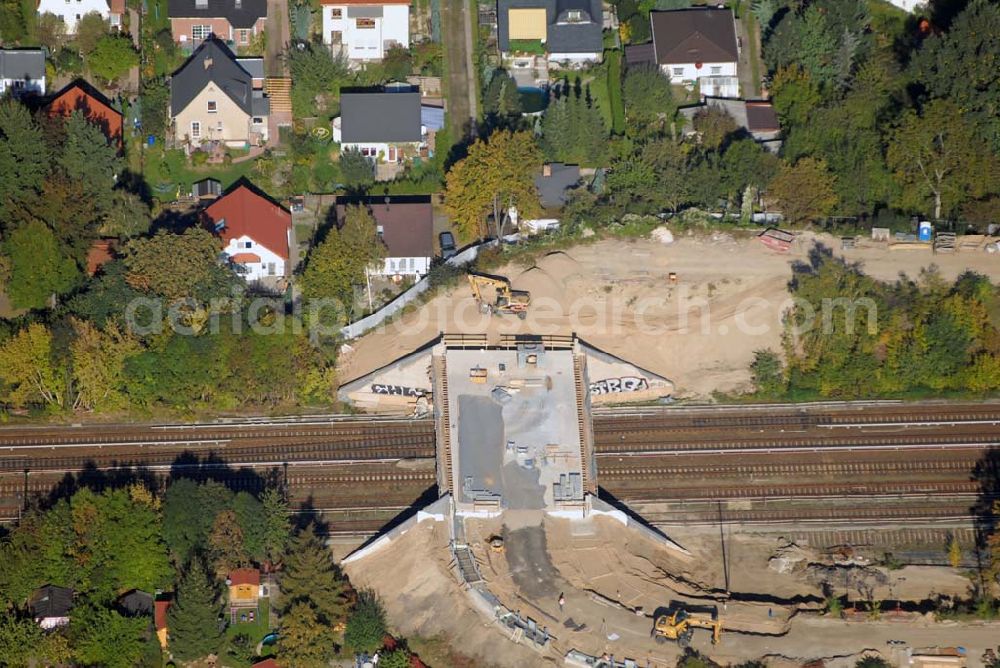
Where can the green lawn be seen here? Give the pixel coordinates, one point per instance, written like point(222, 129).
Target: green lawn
point(255, 631)
point(163, 168)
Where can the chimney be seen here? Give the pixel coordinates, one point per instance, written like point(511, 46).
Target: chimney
point(208, 63)
point(201, 4)
point(547, 169)
point(239, 3)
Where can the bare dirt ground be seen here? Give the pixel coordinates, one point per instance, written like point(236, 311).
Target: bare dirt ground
point(700, 332)
point(613, 580)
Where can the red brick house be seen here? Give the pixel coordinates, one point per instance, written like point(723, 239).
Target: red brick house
point(233, 21)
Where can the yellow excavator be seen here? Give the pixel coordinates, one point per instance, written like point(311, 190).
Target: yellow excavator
point(495, 296)
point(679, 624)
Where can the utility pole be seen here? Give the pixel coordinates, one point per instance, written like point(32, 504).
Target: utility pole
point(722, 540)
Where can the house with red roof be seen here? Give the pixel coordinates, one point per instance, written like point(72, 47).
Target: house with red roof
point(256, 232)
point(80, 96)
point(244, 594)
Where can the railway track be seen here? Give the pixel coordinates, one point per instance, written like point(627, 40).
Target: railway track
point(816, 464)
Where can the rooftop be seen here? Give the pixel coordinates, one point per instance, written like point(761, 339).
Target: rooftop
point(51, 601)
point(697, 35)
point(561, 34)
point(380, 116)
point(407, 222)
point(552, 187)
point(239, 13)
point(211, 62)
point(22, 64)
point(245, 211)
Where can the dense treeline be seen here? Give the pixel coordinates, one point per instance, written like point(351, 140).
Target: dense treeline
point(162, 324)
point(851, 336)
point(184, 542)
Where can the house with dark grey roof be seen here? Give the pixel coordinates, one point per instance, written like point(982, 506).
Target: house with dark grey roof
point(50, 606)
point(22, 72)
point(569, 31)
point(698, 45)
point(213, 98)
point(235, 21)
point(384, 123)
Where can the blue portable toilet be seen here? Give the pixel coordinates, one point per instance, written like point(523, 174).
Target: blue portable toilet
point(151, 140)
point(925, 231)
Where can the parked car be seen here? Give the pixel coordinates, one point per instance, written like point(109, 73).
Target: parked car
point(447, 244)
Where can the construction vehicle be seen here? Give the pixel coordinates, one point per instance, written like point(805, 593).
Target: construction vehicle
point(679, 624)
point(495, 296)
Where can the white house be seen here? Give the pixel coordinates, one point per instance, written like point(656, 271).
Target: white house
point(22, 72)
point(698, 46)
point(405, 224)
point(256, 231)
point(366, 29)
point(71, 11)
point(384, 124)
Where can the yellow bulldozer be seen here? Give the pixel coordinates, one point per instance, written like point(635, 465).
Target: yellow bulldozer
point(679, 624)
point(495, 296)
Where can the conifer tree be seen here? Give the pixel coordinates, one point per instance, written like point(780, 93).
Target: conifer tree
point(311, 577)
point(304, 641)
point(193, 619)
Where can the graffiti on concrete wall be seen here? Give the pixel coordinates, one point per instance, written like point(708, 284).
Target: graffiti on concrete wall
point(618, 385)
point(398, 390)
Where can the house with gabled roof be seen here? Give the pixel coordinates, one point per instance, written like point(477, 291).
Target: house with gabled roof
point(235, 21)
point(383, 123)
point(698, 45)
point(80, 95)
point(255, 230)
point(244, 594)
point(568, 31)
point(213, 98)
point(405, 225)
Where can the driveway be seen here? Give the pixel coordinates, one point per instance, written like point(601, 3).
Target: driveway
point(460, 79)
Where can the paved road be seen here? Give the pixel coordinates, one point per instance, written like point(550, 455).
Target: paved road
point(460, 79)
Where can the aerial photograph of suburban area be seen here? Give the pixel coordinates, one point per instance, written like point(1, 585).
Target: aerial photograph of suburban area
point(500, 333)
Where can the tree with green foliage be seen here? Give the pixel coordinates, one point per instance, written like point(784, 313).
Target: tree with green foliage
point(173, 266)
point(937, 160)
point(962, 65)
point(89, 158)
point(24, 157)
point(573, 130)
point(358, 170)
point(113, 57)
point(39, 271)
point(314, 73)
point(23, 644)
point(671, 186)
point(795, 94)
point(155, 95)
point(249, 514)
point(650, 106)
point(189, 509)
point(89, 31)
point(36, 553)
point(103, 637)
point(226, 550)
point(277, 525)
point(128, 216)
point(397, 658)
point(29, 370)
point(366, 625)
point(193, 619)
point(397, 63)
point(310, 576)
point(501, 100)
point(872, 661)
point(105, 297)
point(803, 191)
point(496, 175)
point(339, 262)
point(304, 641)
point(767, 373)
point(13, 26)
